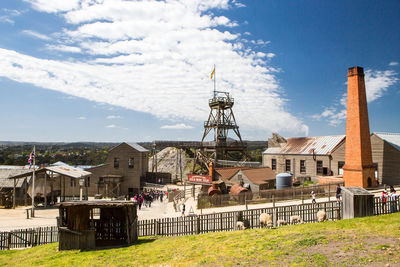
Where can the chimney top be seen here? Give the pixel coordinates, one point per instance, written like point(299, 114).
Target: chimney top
point(355, 71)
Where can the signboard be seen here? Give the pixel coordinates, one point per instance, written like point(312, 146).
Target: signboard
point(202, 179)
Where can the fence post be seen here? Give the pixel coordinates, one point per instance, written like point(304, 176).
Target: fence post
point(329, 192)
point(198, 224)
point(245, 202)
point(9, 240)
point(273, 201)
point(302, 198)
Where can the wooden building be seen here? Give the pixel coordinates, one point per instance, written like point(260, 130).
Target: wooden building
point(87, 225)
point(323, 156)
point(121, 174)
point(256, 178)
point(386, 157)
point(7, 186)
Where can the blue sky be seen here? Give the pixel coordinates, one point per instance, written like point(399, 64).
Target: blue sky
point(139, 70)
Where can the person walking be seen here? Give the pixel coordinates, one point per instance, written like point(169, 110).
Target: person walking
point(383, 200)
point(314, 201)
point(338, 193)
point(183, 209)
point(392, 198)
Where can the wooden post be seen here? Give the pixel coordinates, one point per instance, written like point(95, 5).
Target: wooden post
point(26, 191)
point(302, 198)
point(87, 187)
point(273, 201)
point(14, 193)
point(198, 224)
point(329, 192)
point(45, 189)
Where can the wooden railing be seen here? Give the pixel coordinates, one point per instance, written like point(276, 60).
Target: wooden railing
point(23, 238)
point(197, 224)
point(389, 205)
point(226, 221)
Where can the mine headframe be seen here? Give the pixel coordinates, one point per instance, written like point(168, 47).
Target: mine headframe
point(220, 120)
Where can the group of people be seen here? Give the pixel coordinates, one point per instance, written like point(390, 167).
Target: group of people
point(391, 196)
point(146, 198)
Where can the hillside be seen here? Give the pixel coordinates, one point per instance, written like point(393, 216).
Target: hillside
point(370, 241)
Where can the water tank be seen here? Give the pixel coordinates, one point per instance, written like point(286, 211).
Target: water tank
point(283, 180)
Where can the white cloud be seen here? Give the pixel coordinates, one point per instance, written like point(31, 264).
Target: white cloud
point(81, 118)
point(393, 63)
point(179, 126)
point(64, 48)
point(270, 55)
point(111, 126)
point(55, 6)
point(8, 15)
point(156, 57)
point(376, 84)
point(110, 117)
point(37, 35)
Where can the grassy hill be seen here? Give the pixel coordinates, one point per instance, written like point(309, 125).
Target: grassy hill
point(373, 241)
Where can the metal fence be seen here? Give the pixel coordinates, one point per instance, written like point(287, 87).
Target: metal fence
point(24, 238)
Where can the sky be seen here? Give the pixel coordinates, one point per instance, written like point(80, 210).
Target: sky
point(114, 70)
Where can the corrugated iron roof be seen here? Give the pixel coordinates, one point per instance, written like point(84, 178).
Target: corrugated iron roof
point(69, 171)
point(259, 175)
point(319, 145)
point(391, 138)
point(138, 147)
point(6, 173)
point(227, 173)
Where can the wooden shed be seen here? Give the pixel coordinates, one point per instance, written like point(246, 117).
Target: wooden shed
point(88, 225)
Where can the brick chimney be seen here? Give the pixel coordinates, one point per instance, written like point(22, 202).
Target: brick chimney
point(358, 169)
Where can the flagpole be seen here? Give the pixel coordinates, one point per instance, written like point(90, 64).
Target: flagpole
point(33, 181)
point(214, 79)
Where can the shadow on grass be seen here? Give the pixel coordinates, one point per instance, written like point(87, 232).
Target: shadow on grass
point(116, 246)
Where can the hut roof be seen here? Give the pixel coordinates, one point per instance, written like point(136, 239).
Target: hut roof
point(5, 173)
point(97, 204)
point(227, 173)
point(259, 175)
point(62, 170)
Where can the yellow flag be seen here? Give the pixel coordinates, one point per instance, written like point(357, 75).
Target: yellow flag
point(212, 73)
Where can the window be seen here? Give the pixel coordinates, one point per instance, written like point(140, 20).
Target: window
point(116, 162)
point(87, 182)
point(287, 165)
point(320, 169)
point(340, 167)
point(302, 166)
point(131, 163)
point(73, 182)
point(273, 164)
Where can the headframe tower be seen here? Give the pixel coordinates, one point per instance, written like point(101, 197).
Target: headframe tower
point(220, 121)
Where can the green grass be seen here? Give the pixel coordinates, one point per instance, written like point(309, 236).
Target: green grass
point(356, 242)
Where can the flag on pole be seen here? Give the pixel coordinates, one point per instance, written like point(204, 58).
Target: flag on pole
point(31, 157)
point(212, 73)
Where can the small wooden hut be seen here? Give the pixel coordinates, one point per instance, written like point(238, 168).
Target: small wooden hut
point(87, 225)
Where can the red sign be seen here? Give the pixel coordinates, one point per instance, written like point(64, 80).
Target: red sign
point(203, 179)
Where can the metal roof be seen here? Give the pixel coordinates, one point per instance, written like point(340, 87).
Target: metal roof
point(138, 147)
point(319, 145)
point(391, 138)
point(62, 170)
point(68, 171)
point(5, 173)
